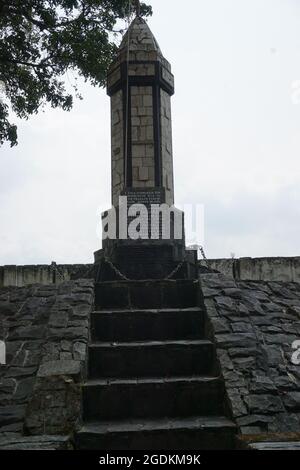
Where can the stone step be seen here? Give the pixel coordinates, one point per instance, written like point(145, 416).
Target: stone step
point(277, 445)
point(146, 294)
point(202, 433)
point(152, 398)
point(150, 359)
point(143, 325)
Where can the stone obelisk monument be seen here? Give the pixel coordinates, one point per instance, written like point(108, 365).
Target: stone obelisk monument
point(140, 84)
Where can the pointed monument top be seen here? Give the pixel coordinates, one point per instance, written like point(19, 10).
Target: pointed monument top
point(138, 7)
point(140, 37)
point(139, 45)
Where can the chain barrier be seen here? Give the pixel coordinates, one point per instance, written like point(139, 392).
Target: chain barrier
point(55, 268)
point(175, 271)
point(201, 249)
point(125, 278)
point(116, 270)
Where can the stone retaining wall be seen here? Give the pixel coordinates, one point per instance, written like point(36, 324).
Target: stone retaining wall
point(257, 269)
point(45, 329)
point(253, 269)
point(254, 325)
point(19, 276)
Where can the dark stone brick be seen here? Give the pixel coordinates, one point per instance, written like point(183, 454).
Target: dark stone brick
point(291, 401)
point(8, 308)
point(58, 319)
point(30, 332)
point(207, 292)
point(237, 404)
point(225, 361)
point(236, 340)
point(244, 363)
point(79, 351)
point(271, 329)
point(280, 339)
point(263, 385)
point(220, 326)
point(20, 371)
point(264, 404)
point(284, 423)
point(233, 292)
point(56, 368)
point(7, 386)
point(225, 303)
point(242, 327)
point(274, 355)
point(255, 420)
point(24, 388)
point(67, 333)
point(11, 414)
point(81, 311)
point(234, 379)
point(286, 382)
point(36, 443)
point(242, 352)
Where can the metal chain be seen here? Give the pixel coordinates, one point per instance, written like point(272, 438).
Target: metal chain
point(55, 268)
point(125, 278)
point(174, 271)
point(201, 249)
point(122, 276)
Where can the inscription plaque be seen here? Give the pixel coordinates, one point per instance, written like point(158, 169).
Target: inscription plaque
point(153, 196)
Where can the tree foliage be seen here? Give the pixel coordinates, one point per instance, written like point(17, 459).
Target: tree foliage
point(41, 40)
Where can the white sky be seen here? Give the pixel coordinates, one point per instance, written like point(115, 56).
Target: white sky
point(236, 136)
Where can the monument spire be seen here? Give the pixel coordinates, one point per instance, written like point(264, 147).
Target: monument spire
point(140, 84)
point(138, 8)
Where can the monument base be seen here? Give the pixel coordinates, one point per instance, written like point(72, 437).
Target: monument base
point(138, 260)
point(150, 254)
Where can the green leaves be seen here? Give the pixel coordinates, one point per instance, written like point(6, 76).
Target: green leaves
point(40, 40)
point(7, 131)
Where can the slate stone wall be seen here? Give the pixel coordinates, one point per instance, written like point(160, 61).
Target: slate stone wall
point(254, 325)
point(45, 329)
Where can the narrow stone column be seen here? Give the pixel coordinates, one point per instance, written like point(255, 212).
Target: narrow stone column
point(140, 84)
point(147, 239)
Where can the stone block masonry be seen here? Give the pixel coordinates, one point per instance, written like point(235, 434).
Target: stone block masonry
point(45, 329)
point(253, 269)
point(167, 146)
point(285, 269)
point(254, 325)
point(117, 147)
point(19, 276)
point(143, 165)
point(140, 84)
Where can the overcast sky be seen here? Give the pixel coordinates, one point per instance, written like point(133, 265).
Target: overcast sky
point(236, 136)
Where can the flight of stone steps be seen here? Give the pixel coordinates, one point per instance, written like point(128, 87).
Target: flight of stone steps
point(152, 377)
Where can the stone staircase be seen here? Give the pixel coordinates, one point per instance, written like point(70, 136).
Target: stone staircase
point(152, 376)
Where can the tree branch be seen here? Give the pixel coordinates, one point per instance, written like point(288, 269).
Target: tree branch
point(28, 64)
